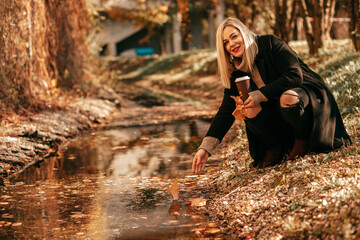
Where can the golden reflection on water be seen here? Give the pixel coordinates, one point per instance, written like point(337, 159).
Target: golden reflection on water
point(106, 185)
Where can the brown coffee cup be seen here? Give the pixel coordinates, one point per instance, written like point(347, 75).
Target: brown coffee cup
point(243, 85)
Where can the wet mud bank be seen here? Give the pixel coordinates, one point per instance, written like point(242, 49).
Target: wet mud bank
point(28, 142)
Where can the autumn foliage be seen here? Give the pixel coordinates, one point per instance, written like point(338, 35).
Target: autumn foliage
point(42, 49)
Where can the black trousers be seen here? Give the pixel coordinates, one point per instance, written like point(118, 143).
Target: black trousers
point(267, 126)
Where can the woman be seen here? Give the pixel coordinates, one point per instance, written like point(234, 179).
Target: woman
point(290, 110)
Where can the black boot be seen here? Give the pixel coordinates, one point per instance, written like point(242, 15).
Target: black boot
point(300, 149)
point(271, 157)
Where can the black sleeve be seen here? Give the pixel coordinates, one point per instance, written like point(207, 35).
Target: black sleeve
point(287, 64)
point(224, 119)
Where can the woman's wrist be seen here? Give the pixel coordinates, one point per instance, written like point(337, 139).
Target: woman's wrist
point(258, 97)
point(209, 144)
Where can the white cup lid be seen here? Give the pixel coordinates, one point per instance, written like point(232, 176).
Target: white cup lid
point(242, 79)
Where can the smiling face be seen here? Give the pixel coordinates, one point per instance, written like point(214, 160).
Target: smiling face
point(233, 41)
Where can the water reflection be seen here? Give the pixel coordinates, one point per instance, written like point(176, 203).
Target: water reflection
point(106, 185)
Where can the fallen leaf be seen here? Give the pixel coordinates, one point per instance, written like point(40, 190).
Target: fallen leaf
point(196, 217)
point(185, 225)
point(174, 190)
point(250, 236)
point(6, 215)
point(198, 229)
point(212, 170)
point(212, 225)
point(212, 231)
point(197, 202)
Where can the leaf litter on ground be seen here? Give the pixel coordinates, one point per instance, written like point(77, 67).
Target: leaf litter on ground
point(313, 197)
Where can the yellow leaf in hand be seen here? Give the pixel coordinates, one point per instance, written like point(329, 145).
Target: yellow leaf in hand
point(174, 190)
point(239, 112)
point(238, 100)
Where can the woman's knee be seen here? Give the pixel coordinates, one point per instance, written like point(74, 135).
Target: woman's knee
point(253, 112)
point(289, 98)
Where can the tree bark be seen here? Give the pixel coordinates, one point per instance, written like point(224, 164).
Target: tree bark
point(318, 23)
point(183, 10)
point(308, 27)
point(323, 13)
point(329, 15)
point(354, 12)
point(177, 33)
point(285, 12)
point(294, 13)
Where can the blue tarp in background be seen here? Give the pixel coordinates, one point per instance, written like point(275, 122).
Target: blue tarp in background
point(144, 51)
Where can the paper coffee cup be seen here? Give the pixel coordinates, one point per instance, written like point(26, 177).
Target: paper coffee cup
point(242, 79)
point(243, 86)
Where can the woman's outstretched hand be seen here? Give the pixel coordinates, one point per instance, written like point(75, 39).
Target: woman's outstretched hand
point(199, 160)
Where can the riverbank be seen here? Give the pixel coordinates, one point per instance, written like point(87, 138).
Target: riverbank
point(28, 140)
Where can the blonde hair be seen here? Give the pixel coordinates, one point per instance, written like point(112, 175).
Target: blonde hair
point(224, 64)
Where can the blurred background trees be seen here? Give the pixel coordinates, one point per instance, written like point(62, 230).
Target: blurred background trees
point(47, 47)
point(354, 13)
point(318, 18)
point(184, 24)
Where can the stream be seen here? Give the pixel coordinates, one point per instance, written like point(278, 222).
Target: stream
point(111, 184)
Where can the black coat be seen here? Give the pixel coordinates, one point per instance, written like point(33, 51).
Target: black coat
point(281, 69)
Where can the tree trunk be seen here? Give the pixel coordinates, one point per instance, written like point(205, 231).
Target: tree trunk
point(319, 30)
point(308, 27)
point(167, 40)
point(212, 30)
point(318, 23)
point(329, 15)
point(285, 12)
point(354, 12)
point(177, 33)
point(241, 11)
point(183, 10)
point(294, 12)
point(220, 12)
point(253, 16)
